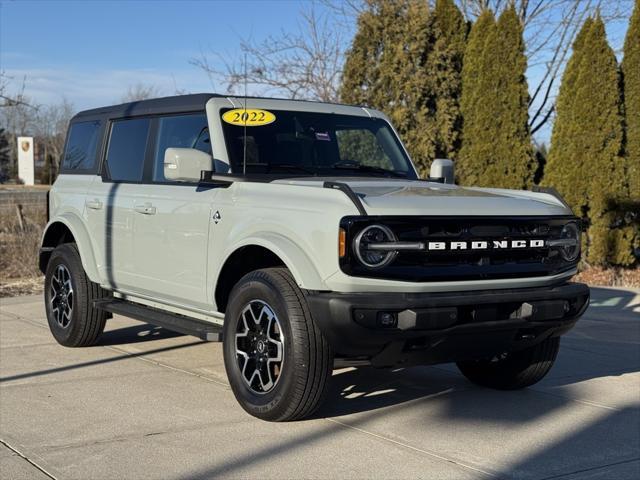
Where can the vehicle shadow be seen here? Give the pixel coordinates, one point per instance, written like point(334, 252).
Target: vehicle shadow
point(91, 363)
point(143, 332)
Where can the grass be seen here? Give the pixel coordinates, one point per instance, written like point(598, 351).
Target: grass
point(610, 277)
point(19, 273)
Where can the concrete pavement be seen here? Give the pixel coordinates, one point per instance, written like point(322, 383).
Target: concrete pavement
point(147, 403)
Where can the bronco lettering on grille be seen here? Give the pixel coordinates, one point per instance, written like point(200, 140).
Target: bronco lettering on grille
point(486, 245)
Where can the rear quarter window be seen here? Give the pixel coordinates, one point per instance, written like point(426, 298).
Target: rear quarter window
point(80, 153)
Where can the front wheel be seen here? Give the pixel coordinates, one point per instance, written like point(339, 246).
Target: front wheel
point(276, 358)
point(513, 370)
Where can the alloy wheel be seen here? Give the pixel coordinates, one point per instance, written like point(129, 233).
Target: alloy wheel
point(259, 346)
point(61, 290)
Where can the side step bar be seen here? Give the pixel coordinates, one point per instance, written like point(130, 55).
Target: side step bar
point(171, 321)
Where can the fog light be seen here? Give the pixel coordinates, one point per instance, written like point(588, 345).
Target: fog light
point(387, 320)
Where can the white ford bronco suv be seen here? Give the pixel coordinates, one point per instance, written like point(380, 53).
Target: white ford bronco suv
point(300, 235)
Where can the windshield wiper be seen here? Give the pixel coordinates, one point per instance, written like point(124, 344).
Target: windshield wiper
point(368, 168)
point(290, 166)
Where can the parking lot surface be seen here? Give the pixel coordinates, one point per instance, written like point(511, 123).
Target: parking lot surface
point(148, 403)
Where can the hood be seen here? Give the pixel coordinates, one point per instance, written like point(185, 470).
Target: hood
point(384, 196)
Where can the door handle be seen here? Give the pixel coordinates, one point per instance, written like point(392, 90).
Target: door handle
point(94, 204)
point(146, 209)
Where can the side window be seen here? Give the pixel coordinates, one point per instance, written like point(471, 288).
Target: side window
point(126, 151)
point(180, 131)
point(362, 146)
point(80, 151)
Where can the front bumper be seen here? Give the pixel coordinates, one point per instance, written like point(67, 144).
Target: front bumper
point(425, 328)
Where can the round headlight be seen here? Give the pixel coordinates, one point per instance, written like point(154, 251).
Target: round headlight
point(570, 248)
point(372, 257)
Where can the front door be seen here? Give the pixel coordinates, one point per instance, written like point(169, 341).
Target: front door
point(170, 241)
point(172, 219)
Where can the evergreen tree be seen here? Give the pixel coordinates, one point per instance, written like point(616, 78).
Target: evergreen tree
point(514, 164)
point(361, 69)
point(559, 172)
point(468, 166)
point(584, 162)
point(385, 69)
point(631, 75)
point(444, 71)
point(631, 79)
point(497, 149)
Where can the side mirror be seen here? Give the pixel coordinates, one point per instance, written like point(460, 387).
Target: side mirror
point(185, 164)
point(442, 171)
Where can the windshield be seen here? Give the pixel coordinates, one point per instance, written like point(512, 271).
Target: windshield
point(311, 143)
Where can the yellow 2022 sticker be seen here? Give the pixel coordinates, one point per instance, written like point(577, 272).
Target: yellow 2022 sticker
point(249, 117)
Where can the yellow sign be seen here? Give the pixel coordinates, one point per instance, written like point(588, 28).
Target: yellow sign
point(249, 117)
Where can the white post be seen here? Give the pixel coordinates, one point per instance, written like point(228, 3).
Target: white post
point(25, 160)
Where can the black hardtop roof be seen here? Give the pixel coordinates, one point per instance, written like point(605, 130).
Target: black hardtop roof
point(156, 106)
point(174, 104)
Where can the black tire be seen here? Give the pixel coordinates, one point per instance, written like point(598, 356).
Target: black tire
point(513, 370)
point(83, 324)
point(300, 381)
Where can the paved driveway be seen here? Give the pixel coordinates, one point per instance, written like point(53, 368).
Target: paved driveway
point(147, 403)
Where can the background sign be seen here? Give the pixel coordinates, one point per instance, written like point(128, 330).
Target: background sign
point(25, 160)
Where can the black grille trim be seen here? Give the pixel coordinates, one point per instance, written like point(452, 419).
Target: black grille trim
point(431, 266)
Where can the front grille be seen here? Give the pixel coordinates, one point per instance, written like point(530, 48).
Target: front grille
point(468, 264)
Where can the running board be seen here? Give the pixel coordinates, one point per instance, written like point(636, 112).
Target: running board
point(171, 321)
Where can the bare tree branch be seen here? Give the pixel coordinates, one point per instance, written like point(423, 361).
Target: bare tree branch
point(9, 100)
point(306, 64)
point(50, 128)
point(140, 91)
point(544, 120)
point(20, 116)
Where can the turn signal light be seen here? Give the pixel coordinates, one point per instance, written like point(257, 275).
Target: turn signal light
point(342, 243)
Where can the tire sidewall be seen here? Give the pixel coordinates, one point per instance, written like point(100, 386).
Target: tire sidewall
point(519, 370)
point(64, 255)
point(272, 403)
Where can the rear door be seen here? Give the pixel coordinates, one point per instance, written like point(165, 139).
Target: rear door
point(111, 198)
point(79, 166)
point(171, 219)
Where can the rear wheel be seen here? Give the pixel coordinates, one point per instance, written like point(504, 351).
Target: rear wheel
point(513, 370)
point(276, 358)
point(69, 296)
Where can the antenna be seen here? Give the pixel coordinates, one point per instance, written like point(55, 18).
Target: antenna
point(245, 117)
